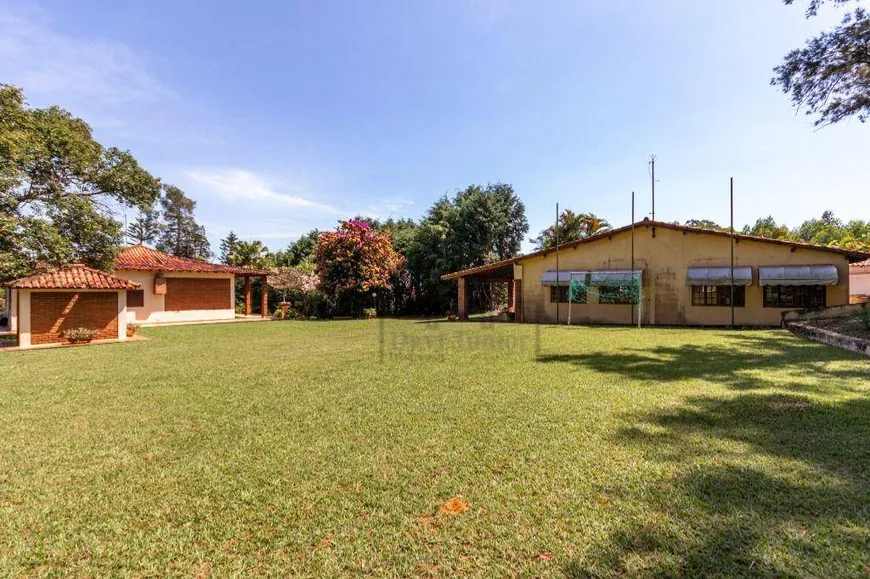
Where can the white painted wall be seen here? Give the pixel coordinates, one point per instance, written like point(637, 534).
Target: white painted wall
point(154, 312)
point(859, 284)
point(23, 318)
point(13, 310)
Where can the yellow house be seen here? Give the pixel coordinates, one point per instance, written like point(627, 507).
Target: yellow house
point(683, 274)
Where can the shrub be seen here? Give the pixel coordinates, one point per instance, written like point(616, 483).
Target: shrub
point(863, 316)
point(369, 313)
point(79, 335)
point(279, 314)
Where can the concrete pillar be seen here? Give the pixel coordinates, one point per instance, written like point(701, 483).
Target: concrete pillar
point(247, 295)
point(13, 309)
point(462, 300)
point(264, 297)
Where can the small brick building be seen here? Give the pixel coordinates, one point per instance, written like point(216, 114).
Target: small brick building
point(47, 304)
point(179, 290)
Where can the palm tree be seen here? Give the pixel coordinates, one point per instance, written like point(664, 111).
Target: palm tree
point(251, 254)
point(571, 227)
point(593, 225)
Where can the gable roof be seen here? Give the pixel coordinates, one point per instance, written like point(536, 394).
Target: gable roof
point(852, 256)
point(74, 277)
point(142, 258)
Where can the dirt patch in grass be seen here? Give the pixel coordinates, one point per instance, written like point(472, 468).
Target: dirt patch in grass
point(846, 326)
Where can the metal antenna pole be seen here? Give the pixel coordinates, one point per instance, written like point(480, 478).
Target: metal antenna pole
point(652, 160)
point(732, 252)
point(558, 290)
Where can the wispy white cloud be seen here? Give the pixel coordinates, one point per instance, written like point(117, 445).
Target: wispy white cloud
point(48, 63)
point(389, 207)
point(240, 185)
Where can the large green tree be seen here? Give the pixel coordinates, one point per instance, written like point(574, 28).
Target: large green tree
point(300, 251)
point(476, 226)
point(830, 76)
point(180, 234)
point(60, 189)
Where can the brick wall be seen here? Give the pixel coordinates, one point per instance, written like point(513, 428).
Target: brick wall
point(53, 312)
point(184, 293)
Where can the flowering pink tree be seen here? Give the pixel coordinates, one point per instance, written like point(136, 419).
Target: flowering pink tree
point(355, 260)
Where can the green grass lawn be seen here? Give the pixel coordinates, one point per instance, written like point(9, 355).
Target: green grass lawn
point(328, 448)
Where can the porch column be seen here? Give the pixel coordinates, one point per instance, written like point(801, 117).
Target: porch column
point(264, 294)
point(462, 300)
point(510, 295)
point(518, 300)
point(247, 295)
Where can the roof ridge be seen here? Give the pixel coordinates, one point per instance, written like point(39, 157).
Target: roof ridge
point(646, 222)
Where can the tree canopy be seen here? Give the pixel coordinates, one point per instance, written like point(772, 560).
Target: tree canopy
point(180, 234)
point(229, 246)
point(478, 225)
point(60, 189)
point(253, 254)
point(144, 229)
point(830, 75)
point(300, 251)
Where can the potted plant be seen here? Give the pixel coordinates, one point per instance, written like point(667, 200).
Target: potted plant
point(132, 329)
point(284, 280)
point(79, 335)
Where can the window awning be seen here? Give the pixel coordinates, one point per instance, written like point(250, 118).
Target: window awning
point(598, 277)
point(718, 276)
point(798, 275)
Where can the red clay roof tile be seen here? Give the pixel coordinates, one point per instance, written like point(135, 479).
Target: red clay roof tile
point(74, 277)
point(141, 258)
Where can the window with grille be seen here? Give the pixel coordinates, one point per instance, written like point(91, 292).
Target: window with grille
point(718, 295)
point(615, 295)
point(560, 293)
point(795, 296)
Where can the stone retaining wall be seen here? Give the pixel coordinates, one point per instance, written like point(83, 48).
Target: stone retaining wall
point(831, 338)
point(822, 313)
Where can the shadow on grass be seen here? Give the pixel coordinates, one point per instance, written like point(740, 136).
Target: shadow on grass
point(796, 503)
point(741, 362)
point(497, 318)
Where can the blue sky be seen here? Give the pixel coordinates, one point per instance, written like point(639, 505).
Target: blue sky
point(279, 117)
